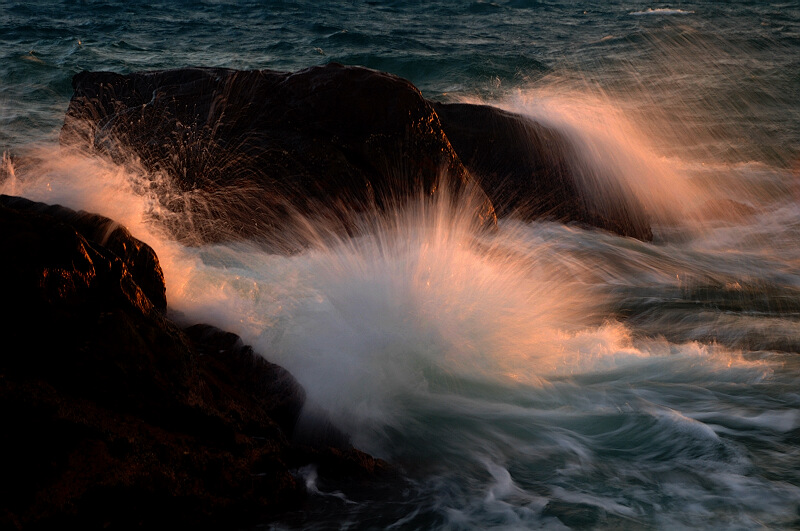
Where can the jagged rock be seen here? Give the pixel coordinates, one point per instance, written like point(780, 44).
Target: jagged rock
point(113, 417)
point(139, 259)
point(236, 366)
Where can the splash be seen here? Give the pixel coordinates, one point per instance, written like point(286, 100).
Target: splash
point(422, 301)
point(8, 175)
point(612, 159)
point(675, 137)
point(486, 362)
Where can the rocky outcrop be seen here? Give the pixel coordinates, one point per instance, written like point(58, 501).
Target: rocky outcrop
point(261, 145)
point(248, 150)
point(113, 416)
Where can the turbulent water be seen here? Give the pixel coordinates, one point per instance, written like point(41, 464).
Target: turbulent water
point(539, 376)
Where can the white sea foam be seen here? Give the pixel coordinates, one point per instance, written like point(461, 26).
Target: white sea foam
point(661, 11)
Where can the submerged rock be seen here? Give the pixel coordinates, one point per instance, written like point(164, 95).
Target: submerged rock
point(244, 152)
point(115, 417)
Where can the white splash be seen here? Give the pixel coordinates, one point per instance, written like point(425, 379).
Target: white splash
point(661, 11)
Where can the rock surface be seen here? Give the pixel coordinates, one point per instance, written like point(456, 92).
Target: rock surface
point(104, 233)
point(114, 417)
point(256, 147)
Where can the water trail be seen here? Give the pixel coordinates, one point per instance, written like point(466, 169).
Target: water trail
point(661, 11)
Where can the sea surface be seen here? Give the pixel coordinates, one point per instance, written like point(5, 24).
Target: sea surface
point(543, 376)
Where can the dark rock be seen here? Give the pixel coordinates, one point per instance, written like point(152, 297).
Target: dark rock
point(261, 145)
point(139, 259)
point(235, 366)
point(527, 170)
point(114, 417)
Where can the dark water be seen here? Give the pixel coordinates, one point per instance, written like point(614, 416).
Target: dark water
point(544, 376)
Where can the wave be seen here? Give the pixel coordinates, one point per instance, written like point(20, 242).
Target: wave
point(538, 374)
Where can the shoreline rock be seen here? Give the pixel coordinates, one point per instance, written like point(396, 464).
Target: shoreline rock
point(115, 417)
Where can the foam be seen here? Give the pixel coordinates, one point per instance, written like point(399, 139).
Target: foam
point(661, 11)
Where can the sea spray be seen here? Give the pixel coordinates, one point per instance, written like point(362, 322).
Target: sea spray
point(423, 294)
point(533, 376)
point(688, 136)
point(611, 158)
point(616, 164)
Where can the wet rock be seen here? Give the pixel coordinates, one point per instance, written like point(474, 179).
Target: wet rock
point(114, 417)
point(140, 260)
point(260, 146)
point(235, 367)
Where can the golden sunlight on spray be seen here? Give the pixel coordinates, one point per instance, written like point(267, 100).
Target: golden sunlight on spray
point(423, 299)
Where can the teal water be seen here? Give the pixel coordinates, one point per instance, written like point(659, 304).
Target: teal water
point(544, 376)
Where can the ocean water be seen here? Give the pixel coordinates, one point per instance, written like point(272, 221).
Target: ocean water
point(541, 376)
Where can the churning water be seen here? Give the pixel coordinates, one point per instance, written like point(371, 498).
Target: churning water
point(540, 375)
